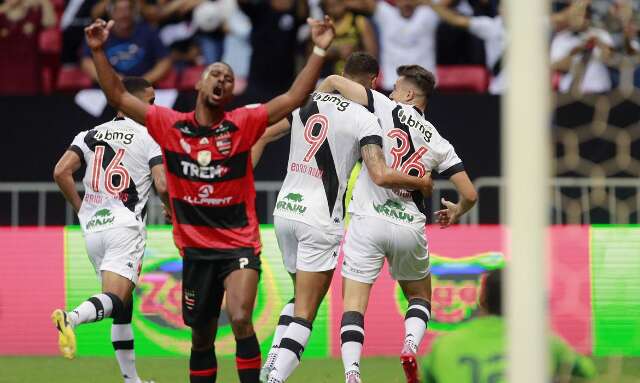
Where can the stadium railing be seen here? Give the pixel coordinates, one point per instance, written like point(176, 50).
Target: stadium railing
point(574, 200)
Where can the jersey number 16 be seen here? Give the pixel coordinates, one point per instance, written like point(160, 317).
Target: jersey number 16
point(114, 168)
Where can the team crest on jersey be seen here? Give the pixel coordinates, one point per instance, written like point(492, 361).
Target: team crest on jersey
point(223, 135)
point(204, 157)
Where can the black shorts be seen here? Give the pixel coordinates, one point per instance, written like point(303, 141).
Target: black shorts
point(203, 286)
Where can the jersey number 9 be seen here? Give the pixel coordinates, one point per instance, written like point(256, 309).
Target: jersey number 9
point(315, 136)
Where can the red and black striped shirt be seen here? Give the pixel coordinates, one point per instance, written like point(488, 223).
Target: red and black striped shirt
point(210, 180)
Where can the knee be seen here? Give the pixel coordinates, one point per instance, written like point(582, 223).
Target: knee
point(241, 324)
point(201, 340)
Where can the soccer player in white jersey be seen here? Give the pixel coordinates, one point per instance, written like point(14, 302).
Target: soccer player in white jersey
point(391, 223)
point(121, 162)
point(328, 136)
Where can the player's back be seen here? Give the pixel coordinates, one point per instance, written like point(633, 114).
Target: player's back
point(326, 135)
point(473, 353)
point(411, 145)
point(119, 155)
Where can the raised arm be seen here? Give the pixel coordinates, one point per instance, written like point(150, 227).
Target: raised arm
point(347, 88)
point(468, 198)
point(68, 164)
point(322, 33)
point(273, 133)
point(118, 97)
point(447, 15)
point(385, 177)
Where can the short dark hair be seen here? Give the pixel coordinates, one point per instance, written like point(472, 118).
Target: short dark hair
point(493, 291)
point(361, 63)
point(420, 77)
point(135, 85)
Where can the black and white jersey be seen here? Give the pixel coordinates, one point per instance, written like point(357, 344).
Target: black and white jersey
point(119, 155)
point(411, 145)
point(326, 136)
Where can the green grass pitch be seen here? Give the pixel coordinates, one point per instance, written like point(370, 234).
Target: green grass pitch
point(173, 370)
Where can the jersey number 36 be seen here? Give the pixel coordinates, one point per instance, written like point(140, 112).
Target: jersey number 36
point(399, 152)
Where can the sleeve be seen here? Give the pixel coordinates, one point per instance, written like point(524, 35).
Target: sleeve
point(382, 12)
point(449, 163)
point(370, 131)
point(481, 26)
point(560, 47)
point(155, 154)
point(78, 145)
point(157, 120)
point(255, 120)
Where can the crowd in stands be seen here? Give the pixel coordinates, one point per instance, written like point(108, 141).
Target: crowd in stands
point(594, 43)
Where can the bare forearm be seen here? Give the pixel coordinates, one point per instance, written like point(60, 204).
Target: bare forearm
point(393, 179)
point(89, 68)
point(347, 88)
point(68, 188)
point(158, 71)
point(306, 80)
point(108, 78)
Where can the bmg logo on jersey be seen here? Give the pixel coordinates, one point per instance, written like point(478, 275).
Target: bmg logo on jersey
point(408, 121)
point(107, 135)
point(341, 104)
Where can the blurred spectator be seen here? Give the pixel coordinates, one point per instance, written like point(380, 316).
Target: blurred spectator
point(133, 48)
point(489, 29)
point(480, 346)
point(353, 33)
point(191, 27)
point(76, 16)
point(580, 54)
point(20, 24)
point(407, 33)
point(457, 46)
point(274, 32)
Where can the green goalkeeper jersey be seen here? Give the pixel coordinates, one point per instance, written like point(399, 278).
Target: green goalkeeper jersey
point(476, 352)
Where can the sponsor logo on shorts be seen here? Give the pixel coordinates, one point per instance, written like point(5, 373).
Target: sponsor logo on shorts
point(189, 298)
point(393, 209)
point(101, 218)
point(292, 203)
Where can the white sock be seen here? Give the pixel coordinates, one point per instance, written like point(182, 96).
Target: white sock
point(122, 341)
point(351, 341)
point(94, 309)
point(291, 348)
point(286, 315)
point(415, 322)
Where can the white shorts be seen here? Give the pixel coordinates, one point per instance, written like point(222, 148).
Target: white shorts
point(118, 250)
point(370, 240)
point(304, 247)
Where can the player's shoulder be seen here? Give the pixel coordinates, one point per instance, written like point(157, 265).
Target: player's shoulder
point(336, 101)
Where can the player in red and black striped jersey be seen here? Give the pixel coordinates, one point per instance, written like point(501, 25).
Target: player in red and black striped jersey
point(210, 183)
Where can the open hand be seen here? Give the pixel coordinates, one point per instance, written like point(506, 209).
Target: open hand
point(448, 216)
point(322, 32)
point(97, 33)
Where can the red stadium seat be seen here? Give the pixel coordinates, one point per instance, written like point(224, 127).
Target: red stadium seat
point(50, 41)
point(190, 77)
point(169, 81)
point(72, 78)
point(465, 78)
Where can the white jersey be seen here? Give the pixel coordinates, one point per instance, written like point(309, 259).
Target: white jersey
point(411, 145)
point(326, 136)
point(119, 155)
